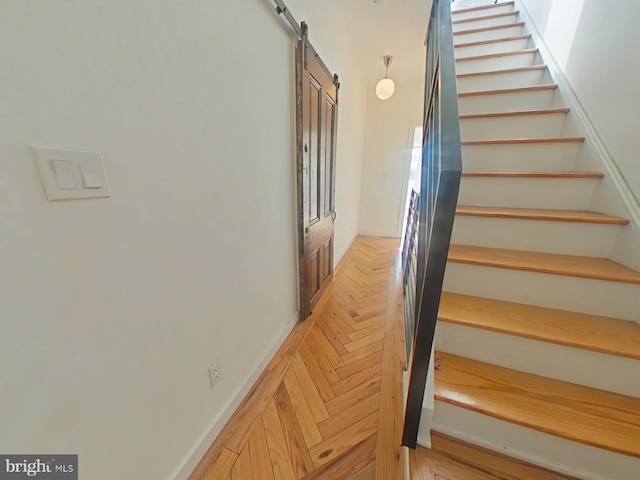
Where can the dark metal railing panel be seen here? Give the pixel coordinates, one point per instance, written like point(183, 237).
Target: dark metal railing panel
point(409, 269)
point(410, 227)
point(440, 183)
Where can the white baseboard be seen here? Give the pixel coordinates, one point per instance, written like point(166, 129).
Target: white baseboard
point(611, 169)
point(407, 463)
point(405, 450)
point(191, 460)
point(379, 234)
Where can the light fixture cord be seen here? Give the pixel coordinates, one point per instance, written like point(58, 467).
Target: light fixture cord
point(386, 74)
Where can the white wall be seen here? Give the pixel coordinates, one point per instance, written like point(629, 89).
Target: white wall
point(388, 141)
point(112, 309)
point(595, 43)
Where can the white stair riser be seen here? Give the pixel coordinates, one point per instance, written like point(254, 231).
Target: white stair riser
point(490, 22)
point(589, 239)
point(488, 35)
point(555, 453)
point(483, 13)
point(583, 367)
point(517, 126)
point(505, 102)
point(497, 63)
point(500, 47)
point(584, 295)
point(485, 83)
point(520, 157)
point(558, 193)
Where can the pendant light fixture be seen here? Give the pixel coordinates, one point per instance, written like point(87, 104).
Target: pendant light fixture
point(385, 87)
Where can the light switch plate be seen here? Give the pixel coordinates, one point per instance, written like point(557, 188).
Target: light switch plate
point(70, 174)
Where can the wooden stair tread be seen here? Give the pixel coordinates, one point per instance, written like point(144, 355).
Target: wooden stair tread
point(533, 88)
point(520, 113)
point(488, 29)
point(497, 55)
point(506, 141)
point(481, 7)
point(581, 216)
point(503, 71)
point(586, 415)
point(569, 265)
point(535, 174)
point(512, 13)
point(589, 332)
point(495, 40)
point(498, 466)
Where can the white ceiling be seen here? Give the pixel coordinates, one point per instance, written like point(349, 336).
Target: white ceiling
point(389, 27)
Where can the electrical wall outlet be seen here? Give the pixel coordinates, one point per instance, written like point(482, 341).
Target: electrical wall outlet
point(215, 373)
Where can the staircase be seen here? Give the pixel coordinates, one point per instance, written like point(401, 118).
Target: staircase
point(539, 354)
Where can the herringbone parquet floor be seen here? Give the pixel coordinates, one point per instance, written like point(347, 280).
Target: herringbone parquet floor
point(322, 419)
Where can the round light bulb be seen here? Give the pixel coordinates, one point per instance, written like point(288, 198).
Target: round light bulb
point(385, 88)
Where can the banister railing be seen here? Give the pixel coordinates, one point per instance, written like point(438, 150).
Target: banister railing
point(410, 268)
point(439, 185)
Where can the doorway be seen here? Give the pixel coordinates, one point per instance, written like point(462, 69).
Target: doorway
point(413, 177)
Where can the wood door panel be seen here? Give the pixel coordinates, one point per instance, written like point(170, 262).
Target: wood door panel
point(314, 273)
point(314, 147)
point(317, 113)
point(329, 157)
point(327, 260)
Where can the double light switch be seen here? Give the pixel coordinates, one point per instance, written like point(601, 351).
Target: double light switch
point(68, 174)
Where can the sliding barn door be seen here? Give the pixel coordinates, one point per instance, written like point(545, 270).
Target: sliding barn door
point(317, 114)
